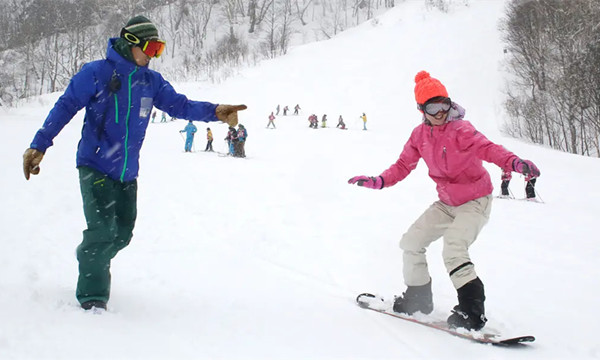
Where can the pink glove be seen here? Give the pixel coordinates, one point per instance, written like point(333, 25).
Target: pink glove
point(526, 168)
point(370, 182)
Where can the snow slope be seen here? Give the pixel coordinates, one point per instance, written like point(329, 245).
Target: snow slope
point(262, 258)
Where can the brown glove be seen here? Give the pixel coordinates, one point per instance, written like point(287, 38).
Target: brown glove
point(31, 162)
point(228, 113)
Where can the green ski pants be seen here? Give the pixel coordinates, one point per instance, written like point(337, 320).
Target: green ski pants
point(110, 210)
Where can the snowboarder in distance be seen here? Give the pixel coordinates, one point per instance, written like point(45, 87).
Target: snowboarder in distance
point(285, 110)
point(108, 168)
point(364, 119)
point(209, 140)
point(341, 124)
point(271, 121)
point(190, 130)
point(463, 207)
point(153, 115)
point(163, 117)
point(296, 108)
point(324, 121)
point(277, 108)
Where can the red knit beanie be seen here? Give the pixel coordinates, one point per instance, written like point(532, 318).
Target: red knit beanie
point(427, 87)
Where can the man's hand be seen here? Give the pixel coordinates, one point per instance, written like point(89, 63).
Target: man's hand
point(228, 113)
point(31, 162)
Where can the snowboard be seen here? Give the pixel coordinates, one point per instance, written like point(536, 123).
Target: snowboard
point(378, 304)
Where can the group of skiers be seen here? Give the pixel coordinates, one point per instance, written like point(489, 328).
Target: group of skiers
point(529, 186)
point(236, 141)
point(286, 109)
point(163, 117)
point(313, 122)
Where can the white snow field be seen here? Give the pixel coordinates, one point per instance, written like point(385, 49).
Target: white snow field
point(262, 258)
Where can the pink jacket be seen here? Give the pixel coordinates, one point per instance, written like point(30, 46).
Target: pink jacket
point(453, 153)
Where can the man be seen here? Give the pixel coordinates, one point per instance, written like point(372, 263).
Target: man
point(190, 130)
point(118, 93)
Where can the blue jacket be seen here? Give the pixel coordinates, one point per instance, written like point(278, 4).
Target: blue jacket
point(189, 130)
point(115, 121)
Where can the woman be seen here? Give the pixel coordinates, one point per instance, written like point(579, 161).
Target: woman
point(453, 151)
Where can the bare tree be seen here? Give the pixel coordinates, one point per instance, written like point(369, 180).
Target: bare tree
point(553, 57)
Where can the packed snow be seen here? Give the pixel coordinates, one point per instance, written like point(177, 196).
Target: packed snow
point(262, 258)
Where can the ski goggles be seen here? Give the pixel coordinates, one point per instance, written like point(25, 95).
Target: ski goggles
point(152, 48)
point(436, 105)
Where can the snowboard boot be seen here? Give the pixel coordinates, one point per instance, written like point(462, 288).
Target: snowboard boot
point(415, 298)
point(98, 304)
point(470, 312)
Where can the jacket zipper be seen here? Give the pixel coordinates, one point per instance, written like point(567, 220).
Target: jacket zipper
point(127, 123)
point(444, 158)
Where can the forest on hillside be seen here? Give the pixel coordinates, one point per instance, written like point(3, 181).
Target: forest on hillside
point(553, 62)
point(45, 42)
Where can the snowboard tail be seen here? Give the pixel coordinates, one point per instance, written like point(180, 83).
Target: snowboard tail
point(375, 303)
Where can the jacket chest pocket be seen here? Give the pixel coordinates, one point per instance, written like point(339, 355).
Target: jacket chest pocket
point(145, 107)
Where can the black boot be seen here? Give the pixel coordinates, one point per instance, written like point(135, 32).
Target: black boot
point(98, 304)
point(504, 187)
point(470, 312)
point(530, 189)
point(415, 298)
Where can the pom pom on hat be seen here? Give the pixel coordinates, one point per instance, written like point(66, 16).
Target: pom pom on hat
point(427, 87)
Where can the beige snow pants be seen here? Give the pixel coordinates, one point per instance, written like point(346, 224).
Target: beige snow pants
point(459, 226)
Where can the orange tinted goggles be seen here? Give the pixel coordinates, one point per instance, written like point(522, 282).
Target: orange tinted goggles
point(152, 48)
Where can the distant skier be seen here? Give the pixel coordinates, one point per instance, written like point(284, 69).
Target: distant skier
point(231, 140)
point(453, 150)
point(163, 117)
point(296, 108)
point(341, 124)
point(209, 140)
point(529, 185)
point(506, 176)
point(364, 119)
point(242, 135)
point(324, 121)
point(271, 121)
point(153, 115)
point(313, 121)
point(277, 108)
point(285, 110)
point(190, 129)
